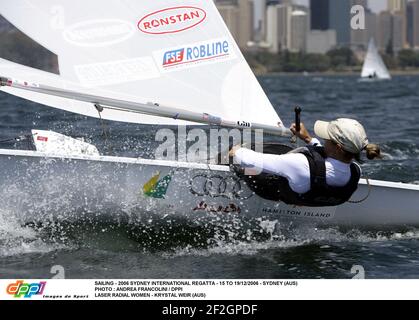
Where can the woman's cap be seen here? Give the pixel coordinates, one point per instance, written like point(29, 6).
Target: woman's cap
point(349, 133)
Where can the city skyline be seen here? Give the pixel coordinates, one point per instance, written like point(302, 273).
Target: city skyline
point(294, 26)
point(375, 5)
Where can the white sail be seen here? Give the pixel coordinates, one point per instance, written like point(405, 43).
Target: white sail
point(374, 66)
point(172, 52)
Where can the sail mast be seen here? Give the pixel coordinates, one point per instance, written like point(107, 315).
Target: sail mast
point(151, 108)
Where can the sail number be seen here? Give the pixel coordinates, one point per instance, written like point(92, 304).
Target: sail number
point(244, 124)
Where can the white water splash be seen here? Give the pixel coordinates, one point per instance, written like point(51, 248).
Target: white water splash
point(17, 239)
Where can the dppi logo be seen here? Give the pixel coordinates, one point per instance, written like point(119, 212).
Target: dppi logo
point(27, 290)
point(172, 20)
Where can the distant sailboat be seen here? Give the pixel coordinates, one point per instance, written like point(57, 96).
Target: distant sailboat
point(374, 67)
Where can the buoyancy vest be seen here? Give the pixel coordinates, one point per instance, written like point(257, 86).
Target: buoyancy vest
point(277, 188)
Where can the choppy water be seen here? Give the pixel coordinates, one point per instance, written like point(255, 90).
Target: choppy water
point(154, 247)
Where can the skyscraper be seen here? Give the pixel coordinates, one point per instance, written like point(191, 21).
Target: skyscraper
point(229, 12)
point(246, 17)
point(410, 23)
point(340, 20)
point(299, 30)
point(398, 8)
point(415, 24)
point(288, 27)
point(321, 41)
point(363, 3)
point(384, 30)
point(320, 12)
point(398, 30)
point(335, 15)
point(279, 27)
point(391, 30)
point(238, 16)
point(396, 5)
point(260, 30)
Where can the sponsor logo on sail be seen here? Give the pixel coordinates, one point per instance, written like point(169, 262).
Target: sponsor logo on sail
point(194, 54)
point(172, 20)
point(116, 71)
point(21, 289)
point(98, 33)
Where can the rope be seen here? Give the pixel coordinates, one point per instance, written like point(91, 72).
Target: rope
point(369, 192)
point(108, 145)
point(16, 139)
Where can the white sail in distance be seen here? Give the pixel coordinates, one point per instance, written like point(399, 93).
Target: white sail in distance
point(171, 52)
point(374, 66)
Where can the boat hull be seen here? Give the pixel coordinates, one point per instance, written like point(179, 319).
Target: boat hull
point(35, 187)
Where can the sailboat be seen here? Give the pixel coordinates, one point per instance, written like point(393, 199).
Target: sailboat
point(374, 67)
point(166, 62)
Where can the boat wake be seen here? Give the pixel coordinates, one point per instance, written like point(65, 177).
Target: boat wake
point(174, 236)
point(401, 151)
